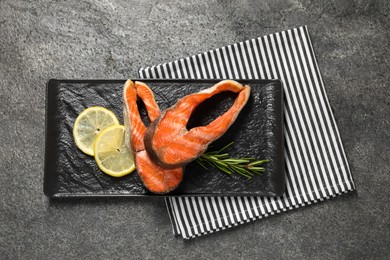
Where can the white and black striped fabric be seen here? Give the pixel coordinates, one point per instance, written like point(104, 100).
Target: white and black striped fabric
point(316, 165)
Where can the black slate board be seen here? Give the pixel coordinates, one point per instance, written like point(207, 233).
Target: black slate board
point(257, 132)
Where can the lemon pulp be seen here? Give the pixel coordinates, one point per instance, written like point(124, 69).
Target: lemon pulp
point(111, 153)
point(89, 124)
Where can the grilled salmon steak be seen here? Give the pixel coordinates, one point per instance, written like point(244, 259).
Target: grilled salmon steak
point(167, 139)
point(155, 178)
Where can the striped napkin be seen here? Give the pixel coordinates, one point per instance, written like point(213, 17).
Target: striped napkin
point(316, 165)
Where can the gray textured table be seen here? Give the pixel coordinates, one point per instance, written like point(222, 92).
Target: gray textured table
point(113, 39)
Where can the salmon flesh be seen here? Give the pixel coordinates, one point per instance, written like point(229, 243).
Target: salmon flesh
point(170, 144)
point(154, 177)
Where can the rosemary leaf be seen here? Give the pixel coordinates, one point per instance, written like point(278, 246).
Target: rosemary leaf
point(258, 162)
point(256, 168)
point(225, 147)
point(224, 169)
point(241, 171)
point(201, 164)
point(223, 156)
point(213, 157)
point(236, 161)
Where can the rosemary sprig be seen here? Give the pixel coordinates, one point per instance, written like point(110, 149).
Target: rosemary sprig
point(246, 167)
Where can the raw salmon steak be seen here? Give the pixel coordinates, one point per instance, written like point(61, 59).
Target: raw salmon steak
point(167, 139)
point(154, 177)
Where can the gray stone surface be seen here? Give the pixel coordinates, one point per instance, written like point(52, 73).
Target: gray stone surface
point(113, 39)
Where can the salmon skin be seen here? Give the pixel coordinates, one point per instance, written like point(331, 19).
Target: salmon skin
point(169, 143)
point(154, 177)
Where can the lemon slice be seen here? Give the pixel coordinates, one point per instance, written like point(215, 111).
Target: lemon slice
point(111, 153)
point(89, 124)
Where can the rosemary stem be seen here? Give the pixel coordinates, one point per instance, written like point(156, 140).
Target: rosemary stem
point(221, 160)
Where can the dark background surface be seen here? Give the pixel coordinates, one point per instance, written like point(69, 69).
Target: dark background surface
point(113, 39)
